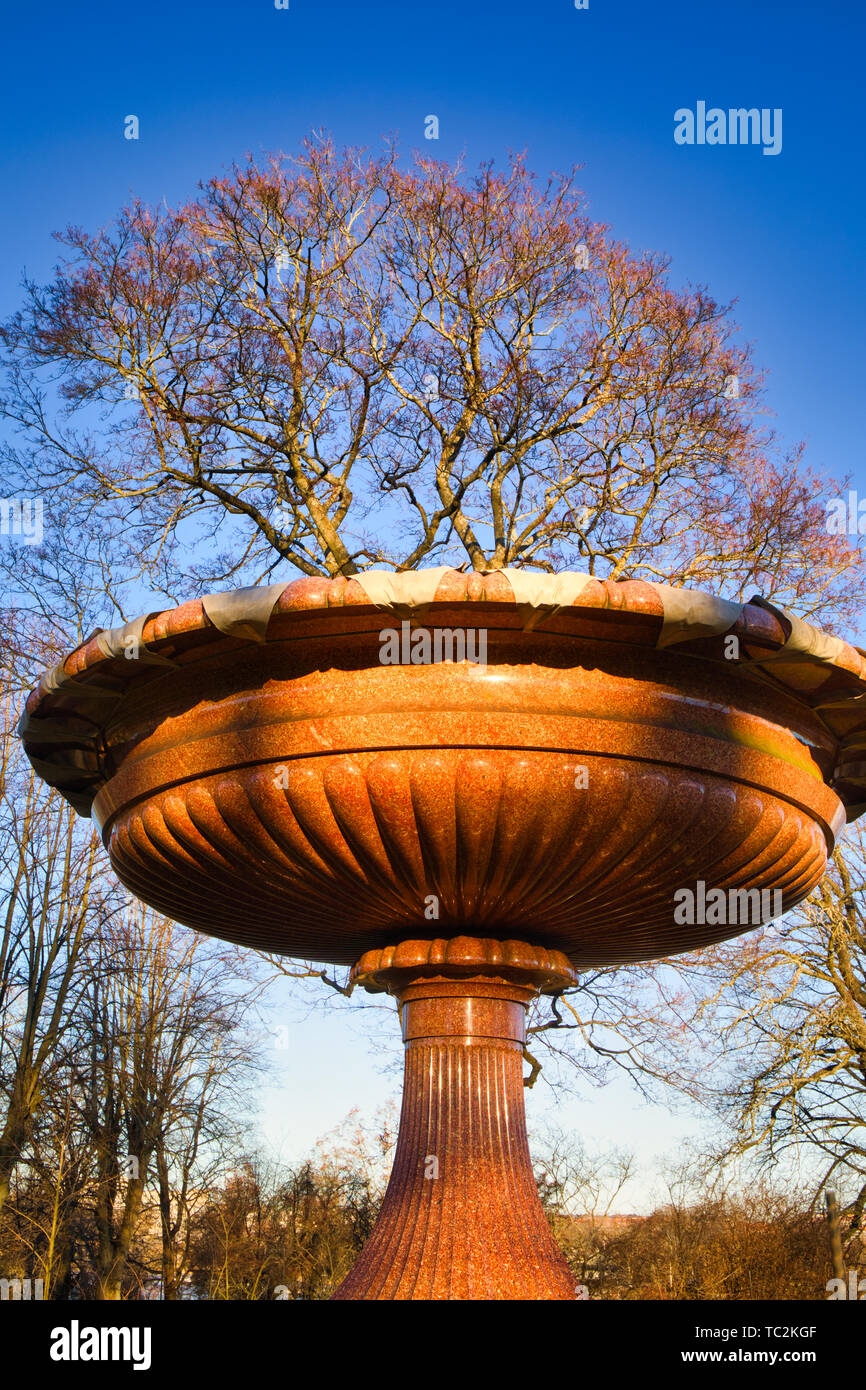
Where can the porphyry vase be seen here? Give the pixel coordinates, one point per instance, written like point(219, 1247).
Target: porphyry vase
point(466, 834)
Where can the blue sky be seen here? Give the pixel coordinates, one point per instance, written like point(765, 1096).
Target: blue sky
point(597, 87)
point(209, 82)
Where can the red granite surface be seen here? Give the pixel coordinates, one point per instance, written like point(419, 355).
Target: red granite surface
point(461, 1217)
point(469, 834)
point(300, 797)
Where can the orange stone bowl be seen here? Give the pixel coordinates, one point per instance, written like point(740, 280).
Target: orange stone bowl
point(465, 834)
point(297, 795)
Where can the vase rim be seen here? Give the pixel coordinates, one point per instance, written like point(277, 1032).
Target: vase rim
point(66, 714)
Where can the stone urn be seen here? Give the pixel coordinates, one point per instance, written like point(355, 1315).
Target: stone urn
point(468, 788)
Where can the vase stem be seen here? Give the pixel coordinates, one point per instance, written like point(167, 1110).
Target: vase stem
point(461, 1217)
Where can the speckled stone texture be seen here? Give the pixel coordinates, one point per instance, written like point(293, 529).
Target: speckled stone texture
point(467, 833)
point(300, 797)
point(461, 1217)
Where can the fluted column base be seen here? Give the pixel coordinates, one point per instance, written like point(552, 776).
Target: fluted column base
point(461, 1218)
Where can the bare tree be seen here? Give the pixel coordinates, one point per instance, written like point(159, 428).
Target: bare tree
point(166, 1062)
point(332, 361)
point(48, 893)
point(787, 1008)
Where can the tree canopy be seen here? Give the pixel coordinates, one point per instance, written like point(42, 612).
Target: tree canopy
point(336, 360)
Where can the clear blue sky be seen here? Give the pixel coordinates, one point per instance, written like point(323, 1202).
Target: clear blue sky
point(783, 235)
point(599, 87)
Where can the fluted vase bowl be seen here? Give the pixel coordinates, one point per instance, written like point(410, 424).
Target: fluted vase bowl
point(610, 775)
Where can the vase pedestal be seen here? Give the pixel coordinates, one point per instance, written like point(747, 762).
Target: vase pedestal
point(461, 1218)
